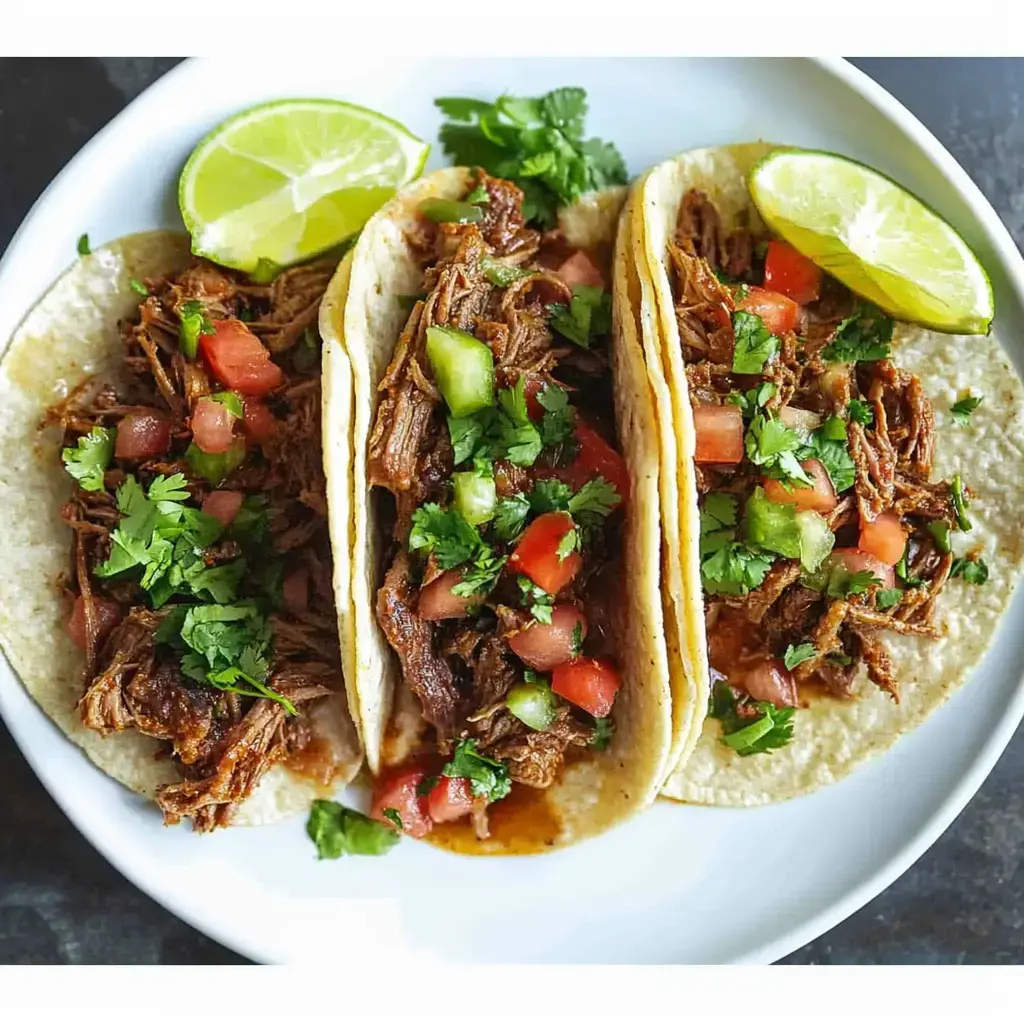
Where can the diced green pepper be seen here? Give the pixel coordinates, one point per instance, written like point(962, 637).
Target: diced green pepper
point(463, 368)
point(771, 526)
point(475, 496)
point(450, 211)
point(533, 705)
point(816, 539)
point(215, 468)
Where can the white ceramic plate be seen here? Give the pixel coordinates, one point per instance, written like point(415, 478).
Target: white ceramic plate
point(679, 884)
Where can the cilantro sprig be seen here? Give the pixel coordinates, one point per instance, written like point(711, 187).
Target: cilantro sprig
point(962, 408)
point(488, 777)
point(863, 337)
point(337, 831)
point(88, 460)
point(755, 344)
point(536, 141)
point(587, 316)
point(768, 730)
point(728, 565)
point(539, 602)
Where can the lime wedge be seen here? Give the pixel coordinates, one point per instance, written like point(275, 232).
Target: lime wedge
point(286, 180)
point(875, 237)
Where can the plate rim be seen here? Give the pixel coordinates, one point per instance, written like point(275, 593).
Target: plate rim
point(998, 238)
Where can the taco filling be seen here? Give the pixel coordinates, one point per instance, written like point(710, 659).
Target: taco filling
point(820, 528)
point(200, 564)
point(494, 437)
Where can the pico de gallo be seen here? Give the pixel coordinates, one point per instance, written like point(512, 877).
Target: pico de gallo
point(495, 440)
point(820, 528)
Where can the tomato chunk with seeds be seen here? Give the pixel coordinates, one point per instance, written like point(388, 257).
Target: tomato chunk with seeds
point(819, 497)
point(589, 683)
point(543, 647)
point(719, 430)
point(536, 554)
point(596, 457)
point(239, 359)
point(791, 273)
point(108, 615)
point(450, 799)
point(779, 313)
point(396, 791)
point(885, 538)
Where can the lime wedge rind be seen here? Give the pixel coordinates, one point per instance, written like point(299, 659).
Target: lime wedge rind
point(876, 237)
point(289, 179)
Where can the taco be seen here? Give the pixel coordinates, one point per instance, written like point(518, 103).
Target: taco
point(848, 491)
point(511, 668)
point(166, 593)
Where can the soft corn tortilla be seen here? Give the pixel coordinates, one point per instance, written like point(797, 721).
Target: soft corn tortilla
point(833, 737)
point(70, 335)
point(602, 790)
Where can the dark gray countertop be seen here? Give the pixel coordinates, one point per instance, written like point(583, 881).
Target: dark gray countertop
point(60, 902)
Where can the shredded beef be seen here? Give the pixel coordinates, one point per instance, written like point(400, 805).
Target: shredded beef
point(534, 758)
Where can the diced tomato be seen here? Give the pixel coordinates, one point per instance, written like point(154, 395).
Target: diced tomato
point(819, 497)
point(145, 434)
point(543, 647)
point(790, 273)
point(295, 590)
point(449, 800)
point(223, 505)
point(719, 430)
point(536, 554)
point(579, 269)
point(396, 791)
point(438, 602)
point(239, 360)
point(769, 680)
point(856, 560)
point(779, 313)
point(596, 457)
point(108, 615)
point(213, 426)
point(589, 683)
point(885, 538)
point(259, 423)
point(532, 388)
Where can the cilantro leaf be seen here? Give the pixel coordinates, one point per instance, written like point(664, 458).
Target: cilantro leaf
point(231, 401)
point(445, 534)
point(510, 517)
point(488, 778)
point(577, 639)
point(604, 729)
point(89, 459)
point(887, 598)
point(795, 655)
point(481, 575)
point(843, 583)
point(770, 729)
point(593, 502)
point(550, 495)
point(466, 433)
point(537, 599)
point(479, 196)
point(773, 445)
point(588, 314)
point(834, 455)
point(519, 438)
point(536, 141)
point(860, 412)
point(939, 529)
point(83, 247)
point(971, 570)
point(962, 409)
point(337, 830)
point(752, 400)
point(863, 337)
point(559, 422)
point(755, 344)
point(727, 565)
point(394, 817)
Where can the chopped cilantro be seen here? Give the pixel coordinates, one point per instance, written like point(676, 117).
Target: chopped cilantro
point(480, 576)
point(466, 433)
point(755, 344)
point(479, 196)
point(488, 778)
point(550, 495)
point(559, 422)
point(569, 543)
point(860, 412)
point(516, 435)
point(537, 599)
point(727, 565)
point(604, 729)
point(939, 529)
point(337, 830)
point(833, 455)
point(887, 598)
point(962, 409)
point(394, 817)
point(577, 639)
point(193, 323)
point(863, 337)
point(588, 314)
point(138, 287)
point(843, 583)
point(536, 141)
point(445, 534)
point(960, 503)
point(971, 570)
point(752, 400)
point(593, 502)
point(833, 429)
point(771, 729)
point(231, 401)
point(425, 787)
point(795, 655)
point(83, 247)
point(510, 517)
point(88, 460)
point(773, 445)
